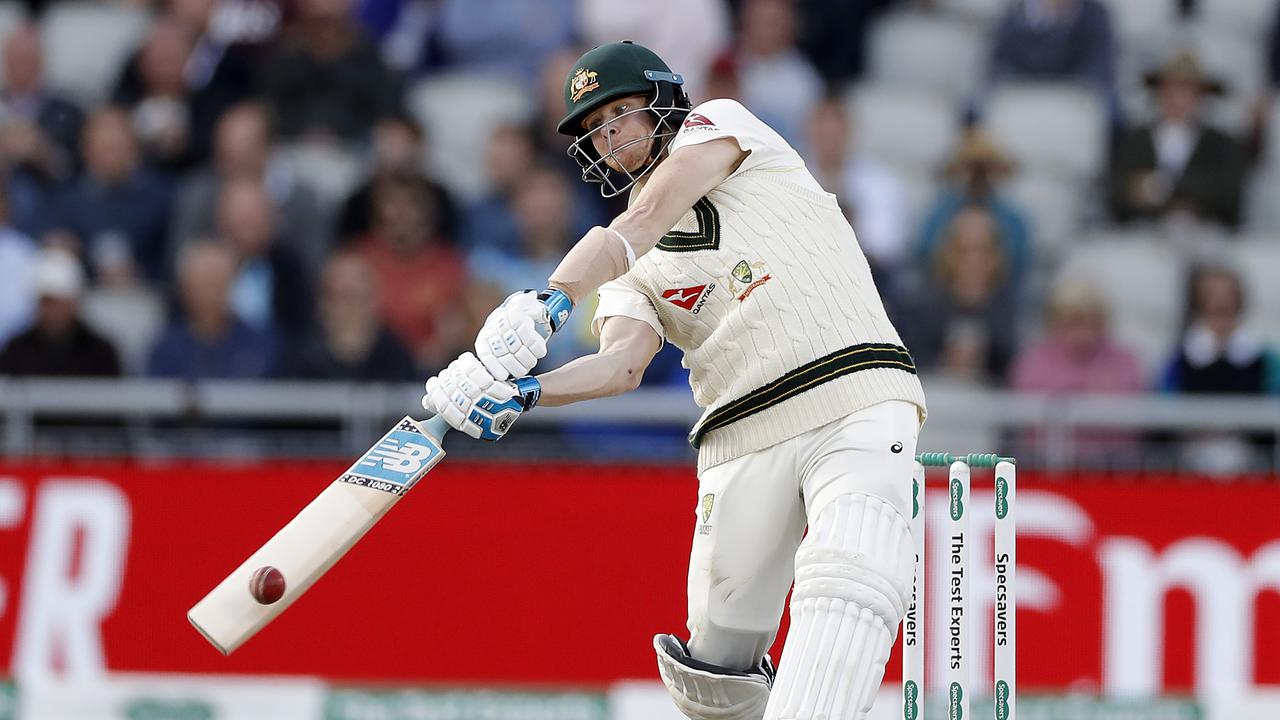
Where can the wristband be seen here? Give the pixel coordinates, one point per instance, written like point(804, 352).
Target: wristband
point(631, 252)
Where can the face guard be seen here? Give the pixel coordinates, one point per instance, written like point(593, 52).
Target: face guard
point(668, 106)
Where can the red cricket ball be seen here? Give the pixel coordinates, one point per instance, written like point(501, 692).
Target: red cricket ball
point(266, 585)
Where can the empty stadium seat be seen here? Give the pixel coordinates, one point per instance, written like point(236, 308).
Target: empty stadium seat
point(1136, 19)
point(904, 126)
point(1248, 17)
point(131, 318)
point(1238, 61)
point(1258, 258)
point(87, 43)
point(931, 51)
point(1273, 139)
point(331, 171)
point(1143, 280)
point(1053, 206)
point(1261, 209)
point(458, 140)
point(1049, 127)
point(11, 16)
point(987, 12)
point(920, 190)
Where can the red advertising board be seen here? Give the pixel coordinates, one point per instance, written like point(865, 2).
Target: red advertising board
point(493, 573)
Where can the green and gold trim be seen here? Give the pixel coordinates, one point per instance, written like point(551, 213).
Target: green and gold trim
point(706, 238)
point(855, 358)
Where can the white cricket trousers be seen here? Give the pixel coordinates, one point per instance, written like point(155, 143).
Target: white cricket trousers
point(852, 479)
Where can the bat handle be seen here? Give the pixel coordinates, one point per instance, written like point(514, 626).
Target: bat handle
point(436, 426)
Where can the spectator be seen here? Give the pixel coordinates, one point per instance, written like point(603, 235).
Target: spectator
point(419, 274)
point(154, 89)
point(272, 289)
point(399, 148)
point(17, 265)
point(778, 84)
point(59, 343)
point(119, 207)
point(349, 341)
point(974, 174)
point(325, 79)
point(722, 78)
point(1219, 353)
point(41, 128)
point(1078, 355)
point(834, 36)
point(695, 33)
point(512, 38)
point(961, 322)
point(1067, 40)
point(206, 339)
point(1178, 165)
point(242, 148)
point(870, 193)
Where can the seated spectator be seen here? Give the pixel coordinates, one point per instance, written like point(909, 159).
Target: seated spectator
point(119, 206)
point(325, 78)
point(961, 322)
point(1178, 165)
point(17, 265)
point(870, 192)
point(349, 341)
point(974, 174)
point(1218, 352)
point(419, 274)
point(242, 148)
point(41, 128)
point(399, 148)
point(59, 343)
point(506, 37)
point(510, 155)
point(206, 339)
point(272, 288)
point(1079, 355)
point(777, 82)
point(154, 90)
point(1067, 40)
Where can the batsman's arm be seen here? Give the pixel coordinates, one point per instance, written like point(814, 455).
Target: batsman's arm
point(677, 183)
point(626, 347)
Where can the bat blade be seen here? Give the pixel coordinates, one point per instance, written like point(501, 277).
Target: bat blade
point(322, 533)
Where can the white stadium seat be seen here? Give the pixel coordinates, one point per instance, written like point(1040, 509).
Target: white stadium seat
point(12, 14)
point(1049, 127)
point(331, 171)
point(904, 126)
point(458, 142)
point(87, 43)
point(1249, 17)
point(1258, 258)
point(1143, 280)
point(987, 12)
point(1053, 207)
point(930, 51)
point(1138, 19)
point(920, 191)
point(1261, 209)
point(1238, 61)
point(1273, 139)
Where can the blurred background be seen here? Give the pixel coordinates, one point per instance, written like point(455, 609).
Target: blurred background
point(237, 235)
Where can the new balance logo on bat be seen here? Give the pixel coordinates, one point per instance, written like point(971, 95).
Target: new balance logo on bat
point(395, 456)
point(690, 298)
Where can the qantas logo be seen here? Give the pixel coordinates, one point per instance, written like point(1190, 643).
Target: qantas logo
point(697, 120)
point(690, 298)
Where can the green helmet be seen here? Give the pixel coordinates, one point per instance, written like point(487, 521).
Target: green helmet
point(609, 72)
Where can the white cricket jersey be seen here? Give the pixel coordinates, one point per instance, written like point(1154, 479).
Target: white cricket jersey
point(763, 286)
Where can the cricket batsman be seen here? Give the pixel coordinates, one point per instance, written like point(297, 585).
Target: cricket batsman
point(730, 250)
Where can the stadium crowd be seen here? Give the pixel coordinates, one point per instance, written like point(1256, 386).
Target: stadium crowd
point(342, 189)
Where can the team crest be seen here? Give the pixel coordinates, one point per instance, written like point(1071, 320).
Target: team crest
point(708, 502)
point(746, 277)
point(583, 82)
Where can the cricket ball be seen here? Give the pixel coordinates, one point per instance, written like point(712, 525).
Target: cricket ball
point(266, 585)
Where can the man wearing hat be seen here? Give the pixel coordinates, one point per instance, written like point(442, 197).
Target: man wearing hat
point(1178, 164)
point(58, 342)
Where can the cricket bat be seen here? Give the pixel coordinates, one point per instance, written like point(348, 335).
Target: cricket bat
point(303, 550)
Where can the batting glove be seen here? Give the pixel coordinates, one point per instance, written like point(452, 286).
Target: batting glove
point(514, 336)
point(473, 402)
